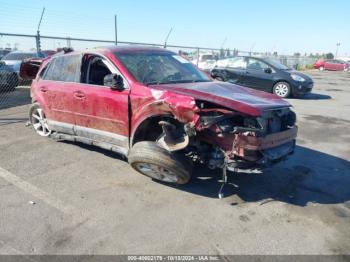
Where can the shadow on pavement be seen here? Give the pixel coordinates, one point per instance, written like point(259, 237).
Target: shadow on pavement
point(315, 96)
point(8, 121)
point(105, 152)
point(307, 176)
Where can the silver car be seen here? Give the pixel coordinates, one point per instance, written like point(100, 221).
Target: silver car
point(15, 58)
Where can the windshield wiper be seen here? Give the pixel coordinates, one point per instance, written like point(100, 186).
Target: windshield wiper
point(152, 83)
point(186, 81)
point(177, 82)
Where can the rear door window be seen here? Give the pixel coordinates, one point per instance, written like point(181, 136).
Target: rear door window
point(65, 68)
point(255, 64)
point(237, 62)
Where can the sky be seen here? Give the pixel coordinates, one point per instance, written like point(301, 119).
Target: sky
point(285, 26)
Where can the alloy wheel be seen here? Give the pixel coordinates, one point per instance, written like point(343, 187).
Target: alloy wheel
point(282, 90)
point(156, 172)
point(39, 122)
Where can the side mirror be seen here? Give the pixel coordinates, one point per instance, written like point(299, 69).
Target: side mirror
point(268, 70)
point(114, 81)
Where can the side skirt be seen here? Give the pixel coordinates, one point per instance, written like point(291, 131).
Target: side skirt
point(118, 149)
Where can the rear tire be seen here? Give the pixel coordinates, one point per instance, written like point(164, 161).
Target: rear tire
point(38, 121)
point(282, 89)
point(157, 163)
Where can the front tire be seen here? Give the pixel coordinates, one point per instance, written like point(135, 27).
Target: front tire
point(157, 163)
point(282, 89)
point(321, 68)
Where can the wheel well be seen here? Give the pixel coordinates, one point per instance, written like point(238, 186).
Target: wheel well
point(150, 130)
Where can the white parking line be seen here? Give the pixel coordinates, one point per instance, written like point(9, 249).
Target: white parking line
point(36, 192)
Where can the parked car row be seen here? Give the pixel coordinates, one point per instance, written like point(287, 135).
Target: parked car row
point(10, 65)
point(263, 74)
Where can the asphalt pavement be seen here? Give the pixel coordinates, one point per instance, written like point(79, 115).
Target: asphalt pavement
point(65, 198)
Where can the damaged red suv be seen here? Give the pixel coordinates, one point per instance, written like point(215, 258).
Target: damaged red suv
point(158, 110)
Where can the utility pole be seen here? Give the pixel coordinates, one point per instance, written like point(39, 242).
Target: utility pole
point(167, 37)
point(69, 44)
point(336, 52)
point(38, 44)
point(116, 29)
point(251, 48)
point(223, 43)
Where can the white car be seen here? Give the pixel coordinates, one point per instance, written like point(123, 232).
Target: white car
point(206, 62)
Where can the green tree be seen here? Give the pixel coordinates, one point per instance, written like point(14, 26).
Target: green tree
point(329, 56)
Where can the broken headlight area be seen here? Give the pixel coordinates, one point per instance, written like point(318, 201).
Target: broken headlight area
point(242, 141)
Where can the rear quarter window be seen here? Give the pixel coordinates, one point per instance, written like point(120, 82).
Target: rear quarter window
point(42, 72)
point(64, 68)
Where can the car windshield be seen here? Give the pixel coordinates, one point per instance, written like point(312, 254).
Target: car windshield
point(21, 56)
point(276, 64)
point(160, 68)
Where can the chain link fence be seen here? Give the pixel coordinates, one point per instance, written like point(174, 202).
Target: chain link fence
point(11, 85)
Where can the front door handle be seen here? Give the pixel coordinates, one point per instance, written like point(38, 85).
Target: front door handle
point(79, 94)
point(43, 89)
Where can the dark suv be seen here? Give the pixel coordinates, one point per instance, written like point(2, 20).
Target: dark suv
point(264, 74)
point(158, 110)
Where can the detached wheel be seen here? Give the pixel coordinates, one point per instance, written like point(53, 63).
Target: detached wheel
point(38, 120)
point(282, 89)
point(155, 162)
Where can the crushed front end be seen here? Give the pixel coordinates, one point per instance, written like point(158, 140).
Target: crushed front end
point(236, 140)
point(235, 134)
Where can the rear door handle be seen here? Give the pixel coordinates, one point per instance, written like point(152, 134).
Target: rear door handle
point(79, 94)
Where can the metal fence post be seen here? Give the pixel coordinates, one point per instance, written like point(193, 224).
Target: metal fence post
point(197, 55)
point(38, 44)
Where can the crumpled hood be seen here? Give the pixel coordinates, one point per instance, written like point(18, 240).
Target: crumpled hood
point(235, 97)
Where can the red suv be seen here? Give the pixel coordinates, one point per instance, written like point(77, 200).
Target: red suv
point(158, 110)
